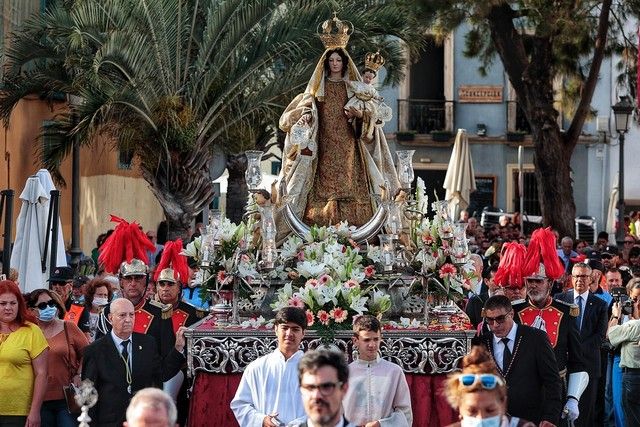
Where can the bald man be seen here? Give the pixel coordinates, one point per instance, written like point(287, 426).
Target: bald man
point(123, 362)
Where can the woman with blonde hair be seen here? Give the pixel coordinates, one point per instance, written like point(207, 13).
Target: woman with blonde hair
point(479, 393)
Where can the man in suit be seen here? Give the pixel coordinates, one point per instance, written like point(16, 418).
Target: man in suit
point(324, 380)
point(527, 363)
point(123, 362)
point(151, 317)
point(592, 325)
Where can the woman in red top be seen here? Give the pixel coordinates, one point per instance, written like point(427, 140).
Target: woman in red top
point(66, 343)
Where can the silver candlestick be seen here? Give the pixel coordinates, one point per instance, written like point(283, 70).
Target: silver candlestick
point(86, 397)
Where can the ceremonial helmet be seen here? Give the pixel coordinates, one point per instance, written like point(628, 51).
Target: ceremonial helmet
point(168, 275)
point(173, 265)
point(134, 268)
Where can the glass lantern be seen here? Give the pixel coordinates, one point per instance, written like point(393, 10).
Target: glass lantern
point(459, 251)
point(253, 174)
point(405, 168)
point(394, 219)
point(215, 227)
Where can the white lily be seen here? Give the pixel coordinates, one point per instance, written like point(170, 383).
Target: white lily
point(291, 246)
point(358, 304)
point(310, 269)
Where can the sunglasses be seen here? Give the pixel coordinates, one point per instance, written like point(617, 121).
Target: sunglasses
point(487, 381)
point(44, 305)
point(325, 389)
point(606, 256)
point(498, 319)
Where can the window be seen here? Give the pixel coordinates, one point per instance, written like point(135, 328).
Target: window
point(530, 187)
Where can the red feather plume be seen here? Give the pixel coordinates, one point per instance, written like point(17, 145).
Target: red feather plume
point(125, 243)
point(509, 274)
point(171, 257)
point(542, 249)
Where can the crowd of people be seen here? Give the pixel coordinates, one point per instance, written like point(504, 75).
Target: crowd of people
point(556, 344)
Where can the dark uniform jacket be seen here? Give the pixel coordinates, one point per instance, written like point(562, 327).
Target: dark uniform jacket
point(560, 323)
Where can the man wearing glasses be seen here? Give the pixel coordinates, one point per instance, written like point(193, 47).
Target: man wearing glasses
point(592, 326)
point(559, 320)
point(324, 381)
point(527, 363)
point(269, 393)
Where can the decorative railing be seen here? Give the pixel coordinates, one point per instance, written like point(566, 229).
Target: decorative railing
point(424, 115)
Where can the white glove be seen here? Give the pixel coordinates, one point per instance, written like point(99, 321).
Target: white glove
point(571, 410)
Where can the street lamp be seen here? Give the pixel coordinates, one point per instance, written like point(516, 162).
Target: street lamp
point(621, 112)
point(75, 251)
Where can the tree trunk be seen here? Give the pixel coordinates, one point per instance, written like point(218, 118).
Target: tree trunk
point(531, 76)
point(183, 188)
point(553, 171)
point(237, 192)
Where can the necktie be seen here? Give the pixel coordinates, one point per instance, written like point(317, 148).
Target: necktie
point(506, 355)
point(125, 351)
point(579, 303)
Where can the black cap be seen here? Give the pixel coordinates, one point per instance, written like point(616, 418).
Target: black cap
point(61, 275)
point(593, 255)
point(610, 250)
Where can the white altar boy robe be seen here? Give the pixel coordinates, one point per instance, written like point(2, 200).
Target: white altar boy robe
point(269, 385)
point(378, 391)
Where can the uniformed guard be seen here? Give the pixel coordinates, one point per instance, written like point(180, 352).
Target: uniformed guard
point(171, 272)
point(125, 248)
point(556, 318)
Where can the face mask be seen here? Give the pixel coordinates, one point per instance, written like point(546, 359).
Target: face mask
point(481, 422)
point(48, 314)
point(78, 300)
point(99, 302)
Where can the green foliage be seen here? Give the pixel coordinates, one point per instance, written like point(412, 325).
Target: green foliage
point(171, 77)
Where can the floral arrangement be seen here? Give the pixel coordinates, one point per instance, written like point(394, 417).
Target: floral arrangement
point(223, 260)
point(442, 251)
point(329, 279)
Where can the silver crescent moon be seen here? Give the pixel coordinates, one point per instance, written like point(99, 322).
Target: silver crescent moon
point(360, 235)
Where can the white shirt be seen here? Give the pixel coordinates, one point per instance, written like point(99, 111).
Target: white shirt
point(378, 391)
point(269, 385)
point(118, 342)
point(498, 345)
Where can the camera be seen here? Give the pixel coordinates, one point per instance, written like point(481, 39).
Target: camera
point(619, 294)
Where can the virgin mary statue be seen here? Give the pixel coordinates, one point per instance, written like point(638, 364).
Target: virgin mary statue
point(330, 173)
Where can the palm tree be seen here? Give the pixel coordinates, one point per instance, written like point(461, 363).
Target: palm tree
point(169, 79)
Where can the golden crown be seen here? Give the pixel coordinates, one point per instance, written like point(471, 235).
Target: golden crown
point(373, 61)
point(335, 33)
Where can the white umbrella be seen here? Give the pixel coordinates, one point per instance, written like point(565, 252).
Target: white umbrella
point(460, 180)
point(30, 237)
point(47, 184)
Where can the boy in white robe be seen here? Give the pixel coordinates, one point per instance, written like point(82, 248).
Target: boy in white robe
point(269, 391)
point(378, 394)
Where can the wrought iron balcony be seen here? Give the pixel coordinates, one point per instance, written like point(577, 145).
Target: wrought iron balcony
point(424, 115)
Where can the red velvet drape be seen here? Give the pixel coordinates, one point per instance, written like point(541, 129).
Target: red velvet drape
point(212, 394)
